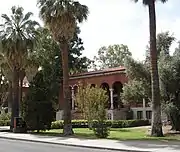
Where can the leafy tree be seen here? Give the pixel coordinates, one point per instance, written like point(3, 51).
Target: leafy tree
point(134, 92)
point(164, 42)
point(18, 38)
point(170, 80)
point(61, 17)
point(177, 50)
point(92, 101)
point(156, 104)
point(38, 108)
point(139, 84)
point(50, 59)
point(112, 56)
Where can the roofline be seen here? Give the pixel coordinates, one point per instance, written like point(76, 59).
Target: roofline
point(97, 73)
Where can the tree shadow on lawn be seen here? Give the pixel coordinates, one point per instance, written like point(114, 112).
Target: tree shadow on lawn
point(120, 130)
point(78, 135)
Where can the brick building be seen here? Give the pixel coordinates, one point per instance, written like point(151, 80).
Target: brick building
point(112, 80)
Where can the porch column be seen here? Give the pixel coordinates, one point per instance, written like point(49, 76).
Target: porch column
point(73, 98)
point(111, 98)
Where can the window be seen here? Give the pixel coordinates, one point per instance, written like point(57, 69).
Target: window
point(139, 114)
point(148, 114)
point(109, 116)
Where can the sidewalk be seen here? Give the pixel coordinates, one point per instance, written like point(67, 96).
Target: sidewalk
point(4, 128)
point(132, 146)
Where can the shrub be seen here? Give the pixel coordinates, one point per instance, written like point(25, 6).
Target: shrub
point(113, 124)
point(101, 129)
point(37, 108)
point(5, 116)
point(91, 101)
point(5, 119)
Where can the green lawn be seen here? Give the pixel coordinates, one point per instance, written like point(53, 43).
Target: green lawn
point(116, 134)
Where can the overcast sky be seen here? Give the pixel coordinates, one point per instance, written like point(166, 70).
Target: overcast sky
point(116, 22)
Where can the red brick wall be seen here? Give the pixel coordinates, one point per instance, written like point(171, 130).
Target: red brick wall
point(98, 80)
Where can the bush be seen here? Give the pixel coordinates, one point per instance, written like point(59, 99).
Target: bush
point(5, 119)
point(91, 101)
point(109, 123)
point(101, 129)
point(37, 108)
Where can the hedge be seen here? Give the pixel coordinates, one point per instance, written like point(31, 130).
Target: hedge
point(5, 119)
point(4, 122)
point(112, 124)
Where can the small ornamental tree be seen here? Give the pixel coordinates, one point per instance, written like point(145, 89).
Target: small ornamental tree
point(91, 101)
point(37, 108)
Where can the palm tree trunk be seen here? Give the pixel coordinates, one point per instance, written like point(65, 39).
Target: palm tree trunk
point(15, 101)
point(156, 104)
point(21, 77)
point(10, 96)
point(66, 92)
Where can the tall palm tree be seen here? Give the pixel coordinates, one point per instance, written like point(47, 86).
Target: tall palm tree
point(18, 36)
point(156, 129)
point(62, 17)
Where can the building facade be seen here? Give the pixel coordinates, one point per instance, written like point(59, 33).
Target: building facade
point(112, 80)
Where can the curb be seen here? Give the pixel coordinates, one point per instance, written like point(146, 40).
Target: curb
point(72, 145)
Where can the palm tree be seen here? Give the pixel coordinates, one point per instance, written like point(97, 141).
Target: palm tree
point(61, 17)
point(156, 129)
point(18, 36)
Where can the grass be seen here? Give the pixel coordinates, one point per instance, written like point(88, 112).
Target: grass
point(115, 134)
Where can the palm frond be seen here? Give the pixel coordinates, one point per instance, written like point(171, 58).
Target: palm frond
point(62, 16)
point(18, 36)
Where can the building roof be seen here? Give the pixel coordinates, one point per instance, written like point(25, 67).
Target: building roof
point(86, 74)
point(117, 69)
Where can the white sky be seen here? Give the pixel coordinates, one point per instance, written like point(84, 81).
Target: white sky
point(116, 22)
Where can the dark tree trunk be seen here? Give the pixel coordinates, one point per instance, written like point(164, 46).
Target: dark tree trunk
point(66, 92)
point(15, 92)
point(156, 105)
point(21, 77)
point(10, 98)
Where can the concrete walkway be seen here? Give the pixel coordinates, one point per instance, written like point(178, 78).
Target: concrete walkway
point(4, 128)
point(132, 146)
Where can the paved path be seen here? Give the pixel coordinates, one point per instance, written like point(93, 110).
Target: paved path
point(88, 143)
point(4, 128)
point(22, 146)
point(138, 146)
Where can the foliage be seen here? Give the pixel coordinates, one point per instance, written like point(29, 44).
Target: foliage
point(49, 57)
point(18, 37)
point(5, 116)
point(37, 108)
point(169, 66)
point(101, 129)
point(164, 41)
point(110, 123)
point(133, 92)
point(139, 84)
point(170, 80)
point(62, 17)
point(66, 13)
point(112, 56)
point(91, 101)
point(5, 119)
point(3, 89)
point(48, 54)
